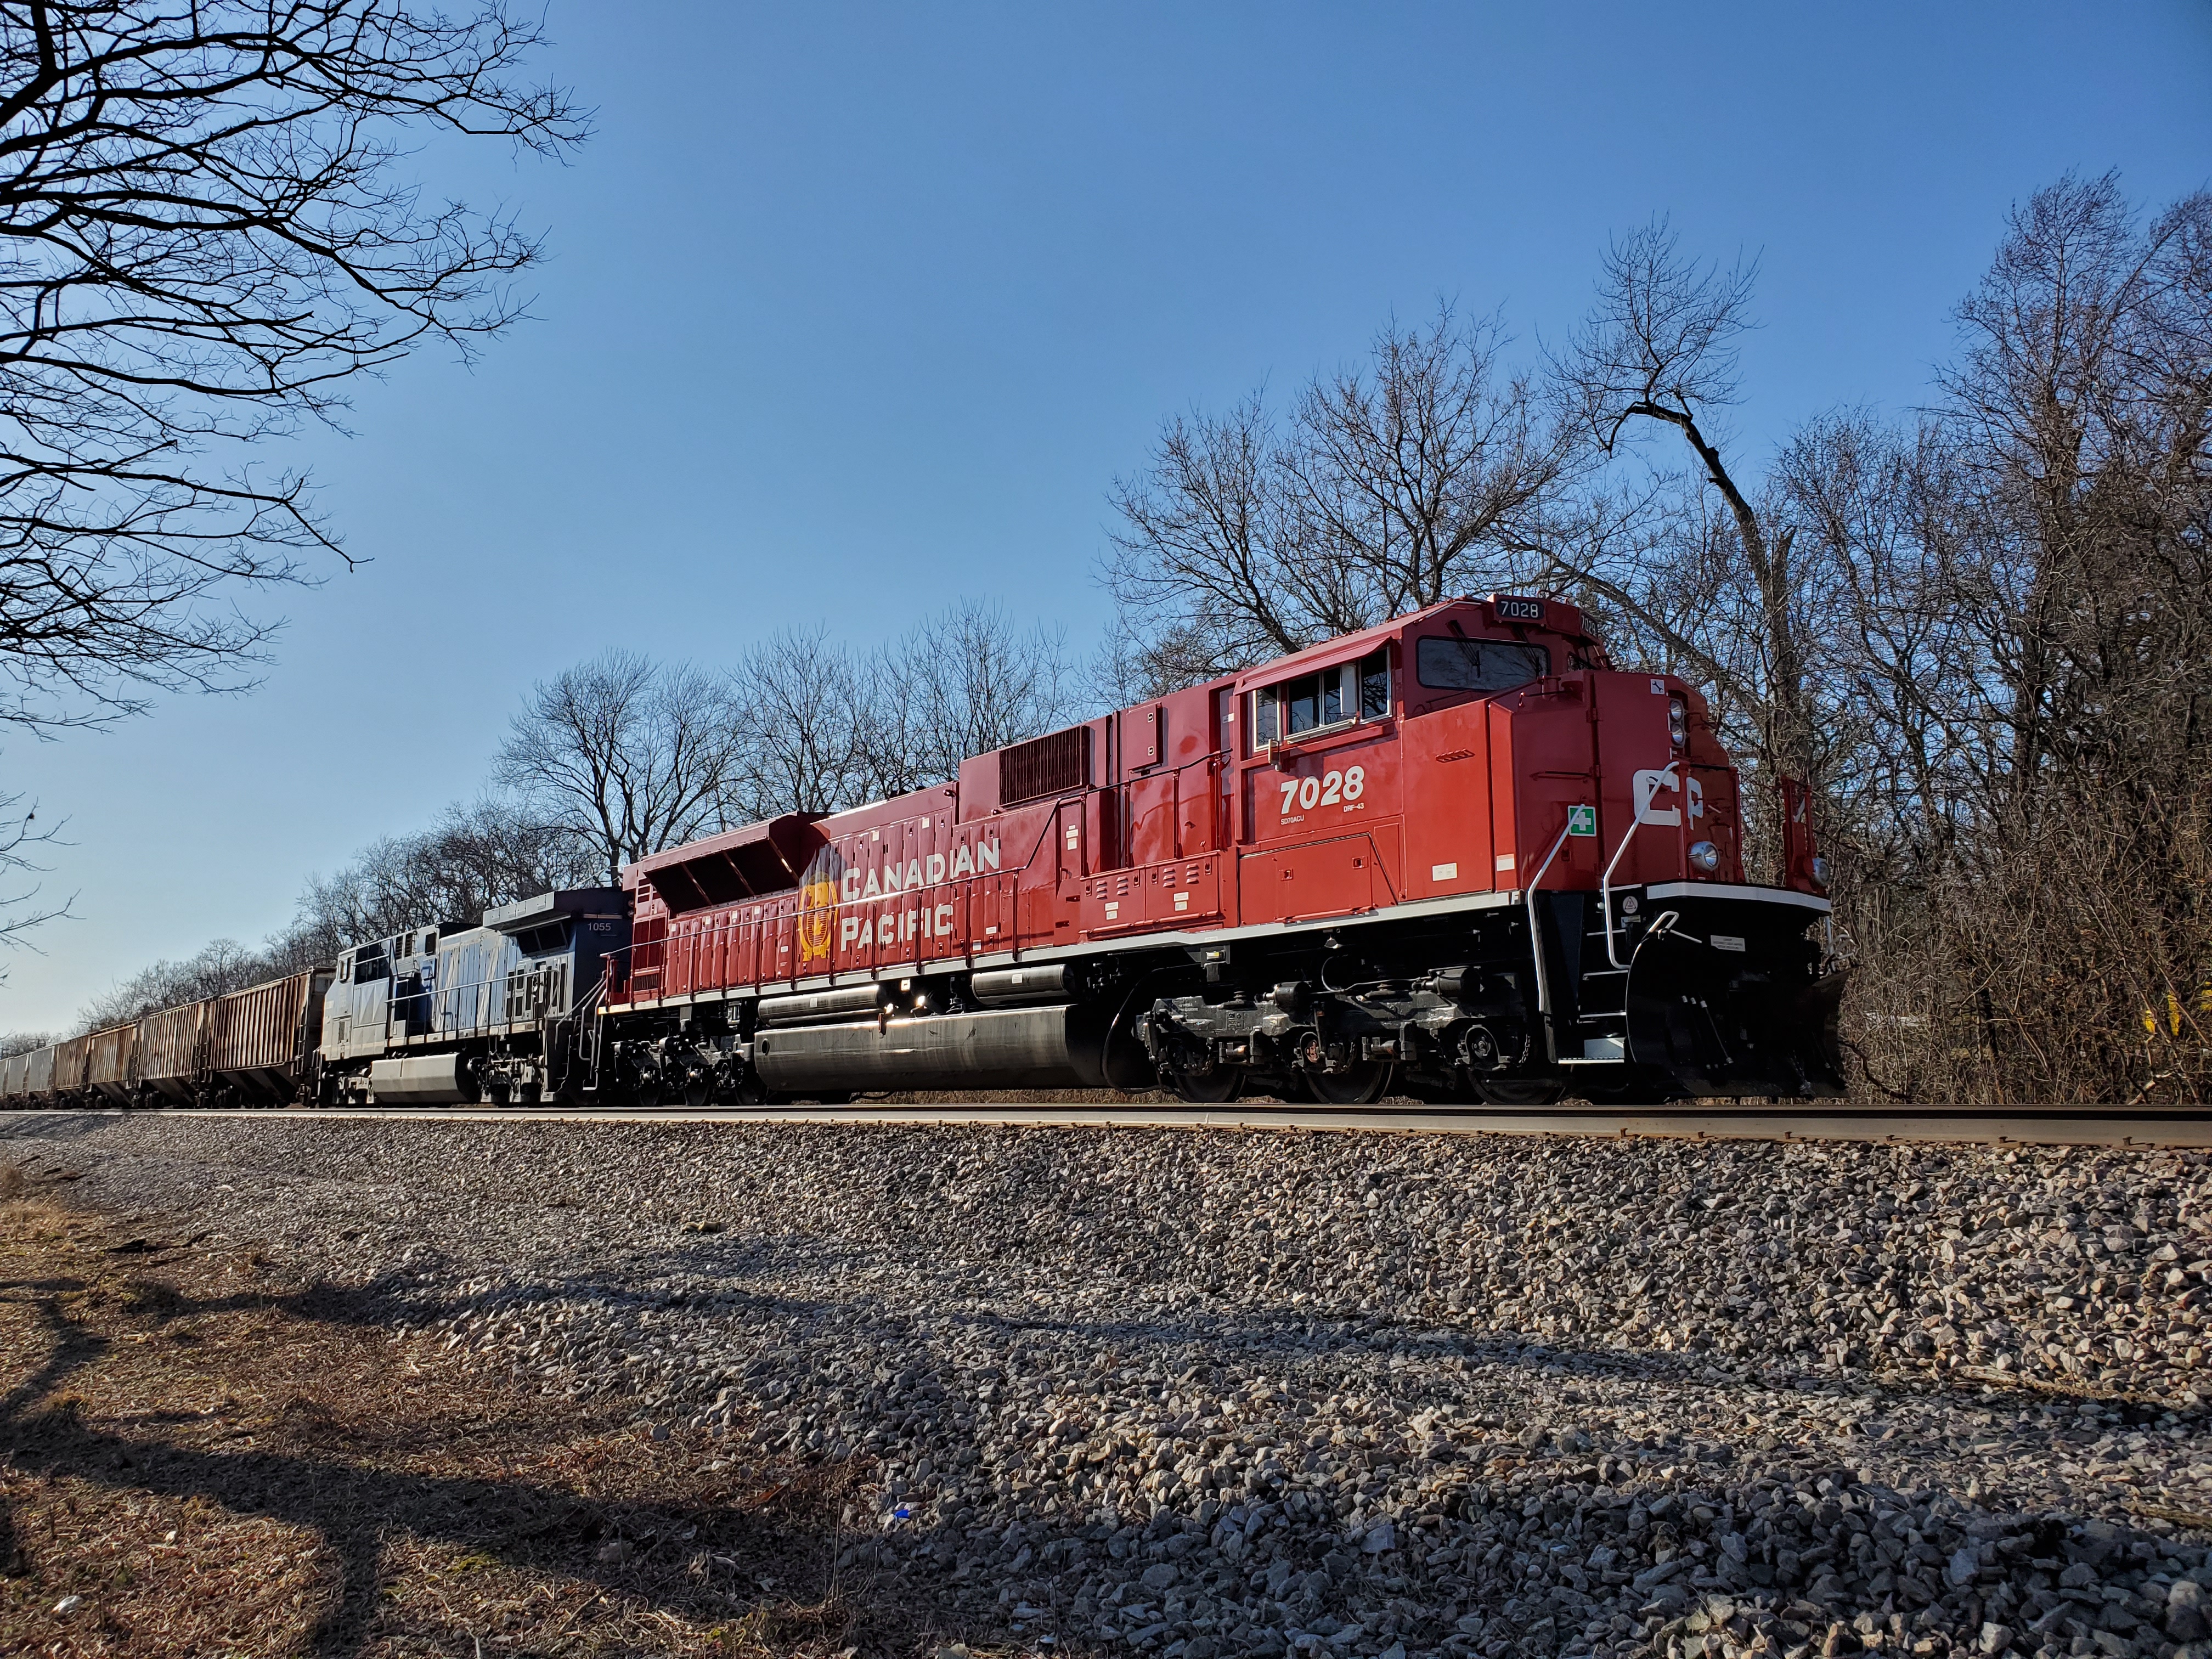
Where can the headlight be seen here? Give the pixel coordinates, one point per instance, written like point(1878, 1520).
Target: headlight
point(1819, 870)
point(1705, 856)
point(1678, 722)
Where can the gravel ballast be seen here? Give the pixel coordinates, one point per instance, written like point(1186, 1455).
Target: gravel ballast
point(1204, 1392)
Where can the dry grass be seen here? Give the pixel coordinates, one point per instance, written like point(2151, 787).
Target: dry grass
point(218, 1463)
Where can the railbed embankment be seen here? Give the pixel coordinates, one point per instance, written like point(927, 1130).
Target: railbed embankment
point(1198, 1394)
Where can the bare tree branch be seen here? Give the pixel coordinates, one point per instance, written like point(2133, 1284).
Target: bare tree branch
point(1422, 473)
point(631, 755)
point(204, 234)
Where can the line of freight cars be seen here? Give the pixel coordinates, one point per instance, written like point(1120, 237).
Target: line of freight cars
point(248, 1048)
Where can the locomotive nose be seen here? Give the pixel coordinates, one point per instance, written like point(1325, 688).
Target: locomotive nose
point(1723, 1019)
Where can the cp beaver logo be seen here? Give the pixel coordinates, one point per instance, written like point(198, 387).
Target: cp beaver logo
point(817, 907)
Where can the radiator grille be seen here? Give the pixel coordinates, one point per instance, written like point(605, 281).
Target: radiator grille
point(1049, 765)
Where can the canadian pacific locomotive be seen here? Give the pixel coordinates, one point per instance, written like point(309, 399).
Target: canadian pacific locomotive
point(1459, 857)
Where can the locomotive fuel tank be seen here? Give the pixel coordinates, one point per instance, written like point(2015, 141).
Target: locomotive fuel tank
point(1059, 1046)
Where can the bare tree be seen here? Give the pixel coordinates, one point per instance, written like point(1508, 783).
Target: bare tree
point(2011, 638)
point(964, 681)
point(801, 702)
point(222, 966)
point(2079, 413)
point(476, 855)
point(21, 912)
point(630, 755)
point(1199, 561)
point(1417, 477)
point(1659, 345)
point(203, 237)
point(1420, 474)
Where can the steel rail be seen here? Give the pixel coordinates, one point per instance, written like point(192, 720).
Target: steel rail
point(2182, 1128)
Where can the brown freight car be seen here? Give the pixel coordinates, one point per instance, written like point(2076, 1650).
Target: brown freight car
point(111, 1063)
point(261, 1041)
point(169, 1051)
point(70, 1057)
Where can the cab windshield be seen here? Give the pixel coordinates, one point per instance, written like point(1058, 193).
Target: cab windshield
point(1459, 664)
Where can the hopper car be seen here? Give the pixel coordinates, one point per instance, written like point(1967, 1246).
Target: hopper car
point(1460, 857)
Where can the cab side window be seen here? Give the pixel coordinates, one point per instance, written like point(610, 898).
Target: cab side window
point(1313, 702)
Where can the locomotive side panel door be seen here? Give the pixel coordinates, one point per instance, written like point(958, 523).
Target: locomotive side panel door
point(945, 899)
point(1002, 876)
point(1554, 773)
point(1154, 823)
point(726, 951)
point(878, 911)
point(1074, 855)
point(745, 949)
point(1189, 891)
point(682, 958)
point(1449, 844)
point(854, 943)
point(1198, 809)
point(707, 970)
point(1505, 812)
point(1259, 888)
point(852, 913)
point(1340, 877)
point(779, 952)
point(894, 920)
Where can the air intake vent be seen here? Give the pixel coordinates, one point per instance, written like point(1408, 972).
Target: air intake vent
point(1050, 765)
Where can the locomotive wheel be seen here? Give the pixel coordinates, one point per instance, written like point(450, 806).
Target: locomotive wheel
point(1518, 1092)
point(1214, 1089)
point(1360, 1085)
point(699, 1089)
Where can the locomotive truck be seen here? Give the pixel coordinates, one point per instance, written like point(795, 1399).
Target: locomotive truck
point(1459, 857)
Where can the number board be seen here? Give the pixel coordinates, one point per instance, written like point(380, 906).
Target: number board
point(1520, 610)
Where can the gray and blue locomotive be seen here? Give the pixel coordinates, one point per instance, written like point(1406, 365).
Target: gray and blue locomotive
point(491, 1013)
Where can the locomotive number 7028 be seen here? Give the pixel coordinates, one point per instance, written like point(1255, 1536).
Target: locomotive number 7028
point(1327, 790)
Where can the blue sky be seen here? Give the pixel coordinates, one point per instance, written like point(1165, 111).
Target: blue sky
point(854, 310)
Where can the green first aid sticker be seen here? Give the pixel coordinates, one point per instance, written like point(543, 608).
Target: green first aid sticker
point(1581, 820)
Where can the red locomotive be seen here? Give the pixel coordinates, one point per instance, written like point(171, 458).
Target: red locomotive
point(1459, 856)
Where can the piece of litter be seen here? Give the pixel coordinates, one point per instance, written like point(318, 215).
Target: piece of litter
point(69, 1604)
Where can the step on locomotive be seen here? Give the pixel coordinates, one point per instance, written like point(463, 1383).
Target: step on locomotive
point(1459, 857)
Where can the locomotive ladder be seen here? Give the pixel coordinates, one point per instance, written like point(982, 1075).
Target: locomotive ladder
point(1600, 1001)
point(1601, 994)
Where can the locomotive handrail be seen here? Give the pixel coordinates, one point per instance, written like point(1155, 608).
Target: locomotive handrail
point(1536, 944)
point(1604, 882)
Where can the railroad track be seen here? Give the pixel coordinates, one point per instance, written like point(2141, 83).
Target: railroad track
point(2182, 1128)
